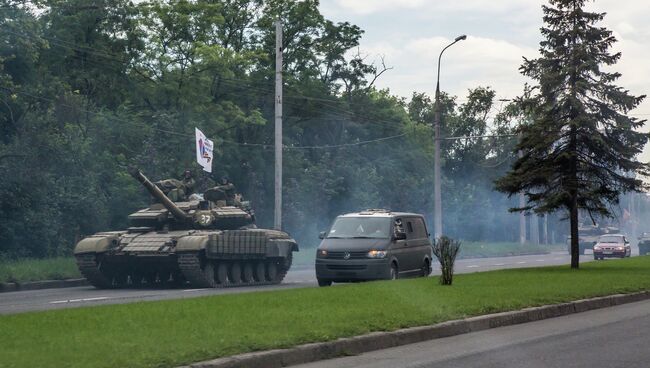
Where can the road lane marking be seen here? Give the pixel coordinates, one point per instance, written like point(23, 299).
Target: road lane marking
point(540, 260)
point(499, 264)
point(472, 266)
point(191, 290)
point(522, 262)
point(80, 300)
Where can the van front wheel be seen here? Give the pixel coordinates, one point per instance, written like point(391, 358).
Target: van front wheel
point(323, 282)
point(426, 268)
point(394, 274)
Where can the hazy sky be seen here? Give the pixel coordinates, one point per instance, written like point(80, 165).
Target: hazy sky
point(411, 33)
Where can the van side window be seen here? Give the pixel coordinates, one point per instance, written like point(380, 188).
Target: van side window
point(409, 225)
point(419, 228)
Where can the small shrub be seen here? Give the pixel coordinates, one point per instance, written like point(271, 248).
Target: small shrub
point(446, 250)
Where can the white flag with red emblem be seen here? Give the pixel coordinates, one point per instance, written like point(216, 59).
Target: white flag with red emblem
point(203, 150)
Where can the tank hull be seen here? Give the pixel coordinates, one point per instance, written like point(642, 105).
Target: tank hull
point(194, 258)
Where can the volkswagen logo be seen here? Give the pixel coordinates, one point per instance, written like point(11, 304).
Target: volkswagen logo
point(346, 255)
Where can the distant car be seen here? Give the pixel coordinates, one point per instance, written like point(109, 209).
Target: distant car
point(612, 245)
point(374, 245)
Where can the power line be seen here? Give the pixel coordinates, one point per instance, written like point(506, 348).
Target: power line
point(479, 136)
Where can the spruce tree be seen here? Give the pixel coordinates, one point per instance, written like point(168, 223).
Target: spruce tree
point(580, 147)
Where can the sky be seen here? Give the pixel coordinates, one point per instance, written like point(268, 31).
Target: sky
point(409, 35)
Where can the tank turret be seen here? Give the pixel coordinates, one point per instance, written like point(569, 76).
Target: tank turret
point(178, 213)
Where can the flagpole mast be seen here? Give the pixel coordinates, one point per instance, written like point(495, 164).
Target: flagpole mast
point(277, 223)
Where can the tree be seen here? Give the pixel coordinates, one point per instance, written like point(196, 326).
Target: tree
point(580, 148)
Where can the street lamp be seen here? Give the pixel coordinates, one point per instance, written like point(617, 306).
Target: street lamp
point(437, 197)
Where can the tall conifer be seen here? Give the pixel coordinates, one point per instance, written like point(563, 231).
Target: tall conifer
point(580, 148)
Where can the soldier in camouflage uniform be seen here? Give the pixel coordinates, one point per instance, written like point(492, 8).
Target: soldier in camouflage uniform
point(223, 194)
point(178, 190)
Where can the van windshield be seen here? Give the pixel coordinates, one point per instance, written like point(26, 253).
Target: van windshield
point(361, 227)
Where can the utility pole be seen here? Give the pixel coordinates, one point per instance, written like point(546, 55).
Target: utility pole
point(522, 216)
point(437, 190)
point(277, 220)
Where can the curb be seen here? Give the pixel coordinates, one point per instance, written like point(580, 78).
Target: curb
point(37, 285)
point(382, 340)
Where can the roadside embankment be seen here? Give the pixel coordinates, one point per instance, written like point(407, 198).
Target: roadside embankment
point(26, 270)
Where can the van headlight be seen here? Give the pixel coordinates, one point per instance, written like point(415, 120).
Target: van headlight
point(321, 253)
point(376, 254)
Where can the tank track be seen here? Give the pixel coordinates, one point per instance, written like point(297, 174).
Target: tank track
point(87, 264)
point(190, 265)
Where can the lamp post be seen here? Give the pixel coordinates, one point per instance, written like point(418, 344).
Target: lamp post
point(437, 196)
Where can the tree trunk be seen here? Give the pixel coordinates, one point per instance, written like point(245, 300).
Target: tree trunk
point(573, 193)
point(575, 248)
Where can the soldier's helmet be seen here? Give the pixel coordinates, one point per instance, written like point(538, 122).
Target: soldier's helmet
point(187, 174)
point(225, 179)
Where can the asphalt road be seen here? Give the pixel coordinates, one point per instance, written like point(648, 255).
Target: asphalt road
point(605, 338)
point(37, 300)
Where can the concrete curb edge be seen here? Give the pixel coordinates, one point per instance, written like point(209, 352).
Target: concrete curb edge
point(37, 285)
point(381, 340)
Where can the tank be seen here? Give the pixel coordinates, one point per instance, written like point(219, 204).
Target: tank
point(198, 242)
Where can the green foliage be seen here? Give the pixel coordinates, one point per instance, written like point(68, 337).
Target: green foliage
point(446, 250)
point(580, 147)
point(178, 332)
point(88, 88)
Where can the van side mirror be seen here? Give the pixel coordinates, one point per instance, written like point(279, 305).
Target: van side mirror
point(400, 235)
point(321, 235)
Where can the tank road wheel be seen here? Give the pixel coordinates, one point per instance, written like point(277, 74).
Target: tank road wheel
point(150, 279)
point(208, 272)
point(197, 270)
point(235, 273)
point(178, 280)
point(136, 279)
point(120, 279)
point(167, 281)
point(271, 271)
point(222, 273)
point(247, 273)
point(260, 272)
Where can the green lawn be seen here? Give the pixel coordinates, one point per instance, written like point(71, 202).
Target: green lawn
point(38, 269)
point(171, 333)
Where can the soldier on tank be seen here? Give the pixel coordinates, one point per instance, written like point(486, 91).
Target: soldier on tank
point(222, 194)
point(177, 190)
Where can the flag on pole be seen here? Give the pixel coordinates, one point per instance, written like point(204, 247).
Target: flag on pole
point(203, 150)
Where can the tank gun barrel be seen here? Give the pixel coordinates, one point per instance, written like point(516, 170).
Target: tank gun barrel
point(158, 194)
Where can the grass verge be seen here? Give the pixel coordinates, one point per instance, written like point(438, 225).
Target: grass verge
point(171, 333)
point(38, 269)
point(470, 249)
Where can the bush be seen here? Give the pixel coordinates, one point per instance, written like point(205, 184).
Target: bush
point(446, 250)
